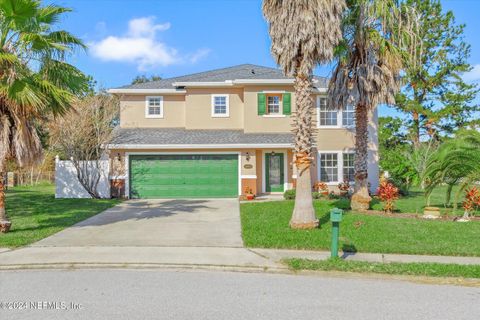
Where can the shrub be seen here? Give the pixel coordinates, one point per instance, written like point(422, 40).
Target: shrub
point(333, 196)
point(344, 186)
point(387, 193)
point(316, 195)
point(289, 194)
point(472, 200)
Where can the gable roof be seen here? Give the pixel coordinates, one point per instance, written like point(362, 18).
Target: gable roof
point(243, 71)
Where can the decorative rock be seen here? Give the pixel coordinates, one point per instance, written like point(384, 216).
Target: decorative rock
point(429, 216)
point(360, 203)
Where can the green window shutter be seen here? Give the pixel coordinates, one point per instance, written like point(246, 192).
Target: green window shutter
point(262, 103)
point(287, 103)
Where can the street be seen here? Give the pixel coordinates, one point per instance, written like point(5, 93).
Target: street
point(162, 294)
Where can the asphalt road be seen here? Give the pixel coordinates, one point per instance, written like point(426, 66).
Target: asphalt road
point(157, 294)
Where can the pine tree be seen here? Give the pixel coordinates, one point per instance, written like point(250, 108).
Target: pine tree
point(435, 98)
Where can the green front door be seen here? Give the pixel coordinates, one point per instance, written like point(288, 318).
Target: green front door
point(274, 172)
point(183, 176)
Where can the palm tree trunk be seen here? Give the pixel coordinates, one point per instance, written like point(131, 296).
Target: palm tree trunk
point(303, 216)
point(361, 198)
point(4, 222)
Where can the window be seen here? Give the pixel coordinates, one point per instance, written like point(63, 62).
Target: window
point(348, 116)
point(348, 167)
point(327, 117)
point(220, 107)
point(273, 104)
point(329, 167)
point(154, 107)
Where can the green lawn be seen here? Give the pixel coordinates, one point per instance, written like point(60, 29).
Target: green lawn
point(265, 225)
point(414, 202)
point(36, 214)
point(416, 269)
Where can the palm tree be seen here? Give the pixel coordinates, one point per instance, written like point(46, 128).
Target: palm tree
point(455, 162)
point(304, 34)
point(378, 40)
point(34, 80)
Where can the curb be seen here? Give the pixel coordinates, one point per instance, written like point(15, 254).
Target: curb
point(163, 266)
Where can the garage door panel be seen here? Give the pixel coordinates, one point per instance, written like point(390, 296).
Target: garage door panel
point(176, 176)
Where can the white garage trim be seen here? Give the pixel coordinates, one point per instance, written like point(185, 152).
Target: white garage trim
point(127, 165)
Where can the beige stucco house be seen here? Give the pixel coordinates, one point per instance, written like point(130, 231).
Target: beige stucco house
point(220, 132)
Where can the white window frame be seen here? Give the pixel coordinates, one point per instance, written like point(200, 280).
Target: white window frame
point(343, 166)
point(280, 105)
point(342, 111)
point(339, 112)
point(339, 166)
point(147, 107)
point(227, 103)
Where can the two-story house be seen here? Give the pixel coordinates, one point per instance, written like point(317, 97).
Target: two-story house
point(219, 132)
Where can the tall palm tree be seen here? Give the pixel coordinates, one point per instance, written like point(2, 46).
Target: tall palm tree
point(34, 79)
point(378, 40)
point(304, 34)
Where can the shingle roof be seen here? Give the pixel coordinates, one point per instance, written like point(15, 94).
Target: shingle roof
point(243, 71)
point(178, 136)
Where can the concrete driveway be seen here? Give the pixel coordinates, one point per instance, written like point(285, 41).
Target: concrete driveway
point(169, 223)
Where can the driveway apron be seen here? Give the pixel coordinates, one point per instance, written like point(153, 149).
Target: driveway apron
point(169, 223)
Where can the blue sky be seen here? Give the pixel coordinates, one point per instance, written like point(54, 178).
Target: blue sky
point(176, 37)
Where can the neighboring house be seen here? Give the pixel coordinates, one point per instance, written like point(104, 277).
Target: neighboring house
point(217, 133)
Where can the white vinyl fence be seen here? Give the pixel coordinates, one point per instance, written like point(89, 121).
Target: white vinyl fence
point(68, 186)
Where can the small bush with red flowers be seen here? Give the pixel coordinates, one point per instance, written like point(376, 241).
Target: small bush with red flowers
point(387, 193)
point(471, 202)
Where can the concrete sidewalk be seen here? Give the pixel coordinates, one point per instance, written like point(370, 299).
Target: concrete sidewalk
point(44, 257)
point(221, 257)
point(279, 254)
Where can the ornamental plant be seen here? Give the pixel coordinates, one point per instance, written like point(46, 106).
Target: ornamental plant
point(321, 187)
point(387, 193)
point(472, 201)
point(343, 186)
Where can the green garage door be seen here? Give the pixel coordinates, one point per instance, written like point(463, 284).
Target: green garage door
point(183, 176)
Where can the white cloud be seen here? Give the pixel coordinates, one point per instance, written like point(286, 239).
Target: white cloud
point(145, 27)
point(198, 55)
point(473, 75)
point(141, 46)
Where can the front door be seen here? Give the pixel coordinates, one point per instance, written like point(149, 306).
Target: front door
point(274, 173)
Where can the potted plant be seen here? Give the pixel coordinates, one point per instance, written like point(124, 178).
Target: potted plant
point(322, 188)
point(388, 193)
point(344, 187)
point(249, 193)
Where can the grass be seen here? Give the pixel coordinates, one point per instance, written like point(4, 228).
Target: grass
point(36, 214)
point(265, 225)
point(414, 269)
point(414, 202)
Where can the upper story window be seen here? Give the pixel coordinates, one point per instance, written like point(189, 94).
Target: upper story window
point(348, 116)
point(328, 117)
point(154, 107)
point(273, 104)
point(220, 105)
point(332, 118)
